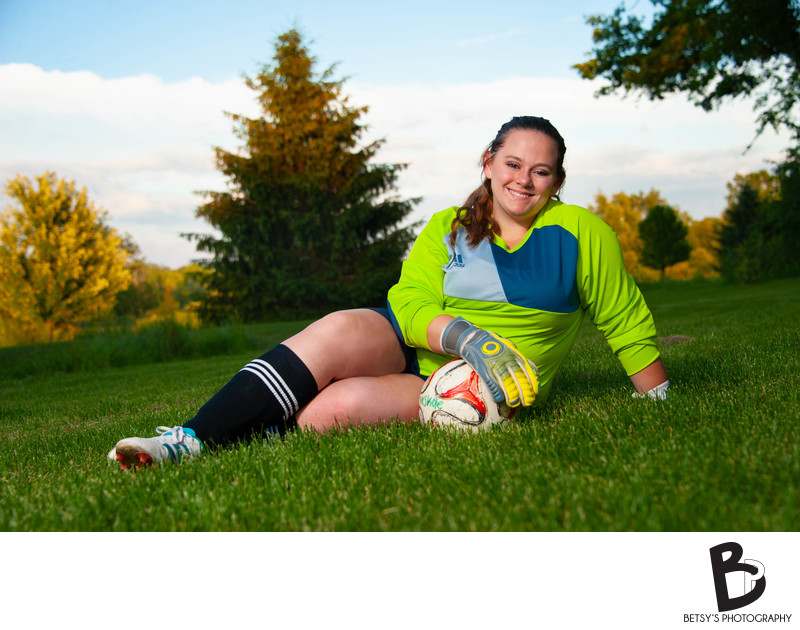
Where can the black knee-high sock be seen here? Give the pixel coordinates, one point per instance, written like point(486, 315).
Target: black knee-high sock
point(261, 399)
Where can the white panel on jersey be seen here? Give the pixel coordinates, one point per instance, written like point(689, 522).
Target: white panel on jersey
point(471, 272)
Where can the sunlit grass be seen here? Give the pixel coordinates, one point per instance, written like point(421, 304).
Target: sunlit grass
point(722, 454)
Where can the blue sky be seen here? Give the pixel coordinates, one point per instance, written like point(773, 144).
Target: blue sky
point(127, 99)
point(376, 42)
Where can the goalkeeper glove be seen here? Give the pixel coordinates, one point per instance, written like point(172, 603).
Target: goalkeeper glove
point(507, 373)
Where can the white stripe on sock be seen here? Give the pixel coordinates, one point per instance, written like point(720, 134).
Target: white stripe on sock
point(276, 385)
point(277, 378)
point(281, 400)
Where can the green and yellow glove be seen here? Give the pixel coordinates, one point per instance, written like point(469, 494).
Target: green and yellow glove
point(507, 373)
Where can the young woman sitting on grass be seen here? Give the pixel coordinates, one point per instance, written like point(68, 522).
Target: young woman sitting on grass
point(503, 281)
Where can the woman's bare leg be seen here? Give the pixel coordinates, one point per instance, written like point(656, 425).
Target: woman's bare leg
point(363, 401)
point(346, 367)
point(266, 395)
point(344, 344)
point(357, 362)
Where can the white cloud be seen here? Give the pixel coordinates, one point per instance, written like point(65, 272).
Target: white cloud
point(613, 144)
point(142, 146)
point(132, 102)
point(139, 145)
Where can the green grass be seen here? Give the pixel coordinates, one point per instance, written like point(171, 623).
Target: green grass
point(722, 454)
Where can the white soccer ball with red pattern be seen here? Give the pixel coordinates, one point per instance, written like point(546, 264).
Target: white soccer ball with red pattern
point(455, 396)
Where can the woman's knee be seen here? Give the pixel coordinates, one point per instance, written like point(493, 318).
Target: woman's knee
point(352, 323)
point(336, 406)
point(345, 344)
point(363, 401)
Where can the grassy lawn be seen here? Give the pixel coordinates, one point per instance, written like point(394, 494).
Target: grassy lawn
point(722, 454)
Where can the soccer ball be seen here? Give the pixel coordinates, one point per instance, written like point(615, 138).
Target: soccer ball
point(455, 396)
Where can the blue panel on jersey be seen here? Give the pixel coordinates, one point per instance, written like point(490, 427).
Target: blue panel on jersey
point(541, 273)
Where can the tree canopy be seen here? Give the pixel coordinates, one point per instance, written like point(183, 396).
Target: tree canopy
point(61, 264)
point(759, 236)
point(703, 261)
point(309, 224)
point(710, 50)
point(623, 212)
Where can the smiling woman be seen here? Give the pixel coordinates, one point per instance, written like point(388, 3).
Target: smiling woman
point(524, 167)
point(526, 266)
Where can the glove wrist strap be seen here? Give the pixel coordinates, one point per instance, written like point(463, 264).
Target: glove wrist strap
point(451, 335)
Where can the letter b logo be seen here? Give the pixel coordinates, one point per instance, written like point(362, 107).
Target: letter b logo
point(721, 567)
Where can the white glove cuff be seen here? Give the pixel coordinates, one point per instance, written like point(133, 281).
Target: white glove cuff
point(659, 392)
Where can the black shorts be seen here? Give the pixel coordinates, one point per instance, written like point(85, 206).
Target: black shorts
point(412, 365)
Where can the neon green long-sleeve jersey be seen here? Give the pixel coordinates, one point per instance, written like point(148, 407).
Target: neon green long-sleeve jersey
point(535, 294)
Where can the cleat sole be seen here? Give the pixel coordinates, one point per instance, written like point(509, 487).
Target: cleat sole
point(134, 461)
point(143, 460)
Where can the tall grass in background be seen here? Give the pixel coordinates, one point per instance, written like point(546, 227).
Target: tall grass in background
point(158, 342)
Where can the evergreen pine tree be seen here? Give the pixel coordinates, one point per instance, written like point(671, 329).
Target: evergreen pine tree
point(784, 255)
point(663, 237)
point(740, 238)
point(309, 224)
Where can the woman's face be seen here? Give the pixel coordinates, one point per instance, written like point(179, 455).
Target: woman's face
point(523, 176)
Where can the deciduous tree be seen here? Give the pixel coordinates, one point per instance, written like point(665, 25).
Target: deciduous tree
point(765, 185)
point(759, 236)
point(309, 223)
point(710, 50)
point(703, 262)
point(623, 212)
point(61, 264)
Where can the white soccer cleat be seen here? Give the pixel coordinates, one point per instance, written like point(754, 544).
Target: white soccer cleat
point(171, 446)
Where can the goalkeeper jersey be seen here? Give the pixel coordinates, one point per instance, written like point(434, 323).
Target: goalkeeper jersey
point(536, 294)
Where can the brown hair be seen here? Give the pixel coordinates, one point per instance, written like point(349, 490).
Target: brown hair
point(476, 213)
